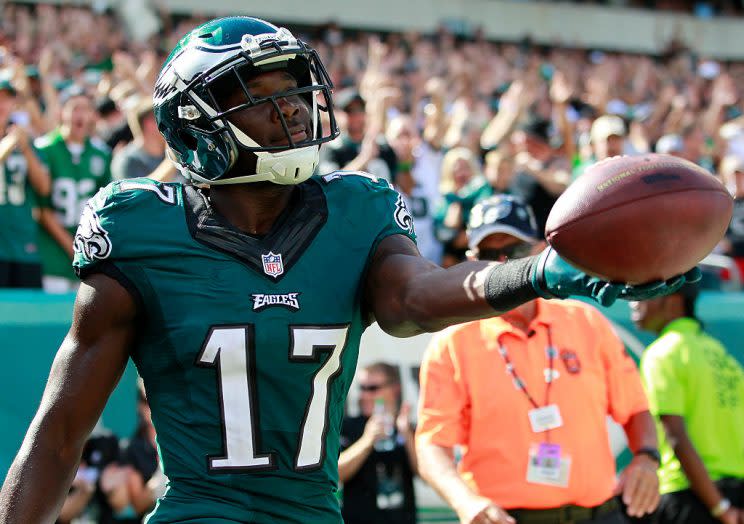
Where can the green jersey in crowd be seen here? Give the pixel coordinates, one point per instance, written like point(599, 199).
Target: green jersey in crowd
point(248, 344)
point(18, 236)
point(689, 373)
point(76, 176)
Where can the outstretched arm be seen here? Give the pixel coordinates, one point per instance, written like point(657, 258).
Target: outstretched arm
point(86, 369)
point(408, 295)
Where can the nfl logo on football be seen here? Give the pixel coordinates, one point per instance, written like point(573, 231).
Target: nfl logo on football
point(272, 264)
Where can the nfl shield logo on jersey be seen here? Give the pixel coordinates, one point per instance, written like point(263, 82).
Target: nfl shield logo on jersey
point(272, 264)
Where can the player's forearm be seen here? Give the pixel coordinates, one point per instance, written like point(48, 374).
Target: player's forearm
point(641, 431)
point(37, 482)
point(437, 468)
point(467, 291)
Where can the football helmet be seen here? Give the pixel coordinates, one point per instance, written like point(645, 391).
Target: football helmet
point(223, 52)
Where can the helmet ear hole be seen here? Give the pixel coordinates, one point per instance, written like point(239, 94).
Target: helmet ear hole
point(188, 139)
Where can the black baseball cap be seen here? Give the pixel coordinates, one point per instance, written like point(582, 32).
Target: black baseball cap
point(501, 214)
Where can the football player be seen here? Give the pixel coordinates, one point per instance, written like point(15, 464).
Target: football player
point(241, 298)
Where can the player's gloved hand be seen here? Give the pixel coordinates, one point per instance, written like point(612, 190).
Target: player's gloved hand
point(553, 277)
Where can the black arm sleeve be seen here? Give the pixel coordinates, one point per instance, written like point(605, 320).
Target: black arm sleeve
point(509, 285)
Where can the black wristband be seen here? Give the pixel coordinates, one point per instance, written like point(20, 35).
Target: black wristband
point(651, 452)
point(508, 285)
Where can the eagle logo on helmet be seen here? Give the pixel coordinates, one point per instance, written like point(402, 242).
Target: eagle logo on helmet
point(91, 239)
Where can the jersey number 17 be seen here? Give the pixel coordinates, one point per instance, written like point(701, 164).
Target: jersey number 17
point(227, 348)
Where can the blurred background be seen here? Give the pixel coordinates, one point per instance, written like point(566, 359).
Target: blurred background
point(451, 101)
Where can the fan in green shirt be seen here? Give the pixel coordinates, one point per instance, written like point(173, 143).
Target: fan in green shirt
point(22, 179)
point(79, 166)
point(696, 391)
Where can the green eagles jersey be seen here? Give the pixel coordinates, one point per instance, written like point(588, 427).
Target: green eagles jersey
point(18, 241)
point(249, 344)
point(75, 178)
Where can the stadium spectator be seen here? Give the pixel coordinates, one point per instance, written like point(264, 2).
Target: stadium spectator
point(459, 168)
point(526, 395)
point(361, 145)
point(732, 173)
point(144, 154)
point(23, 180)
point(79, 165)
point(696, 391)
point(607, 137)
point(378, 458)
point(498, 174)
point(541, 172)
point(415, 178)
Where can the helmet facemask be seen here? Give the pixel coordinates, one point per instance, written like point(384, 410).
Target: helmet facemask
point(204, 116)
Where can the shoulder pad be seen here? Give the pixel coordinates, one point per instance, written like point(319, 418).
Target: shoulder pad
point(120, 218)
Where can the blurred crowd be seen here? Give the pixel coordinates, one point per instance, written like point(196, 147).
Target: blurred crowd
point(448, 120)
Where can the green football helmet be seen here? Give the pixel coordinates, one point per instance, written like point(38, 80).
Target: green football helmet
point(223, 53)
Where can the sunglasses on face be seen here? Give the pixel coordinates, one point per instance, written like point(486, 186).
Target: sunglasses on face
point(521, 250)
point(371, 388)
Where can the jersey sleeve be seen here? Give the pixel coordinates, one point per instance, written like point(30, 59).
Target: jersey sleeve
point(119, 224)
point(624, 388)
point(375, 202)
point(444, 405)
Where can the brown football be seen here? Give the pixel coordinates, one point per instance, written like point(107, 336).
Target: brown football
point(638, 219)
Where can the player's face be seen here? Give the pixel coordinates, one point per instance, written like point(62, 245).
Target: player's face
point(262, 122)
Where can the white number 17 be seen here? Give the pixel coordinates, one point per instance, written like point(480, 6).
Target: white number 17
point(229, 349)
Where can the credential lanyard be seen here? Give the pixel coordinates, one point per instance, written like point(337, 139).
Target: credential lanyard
point(550, 353)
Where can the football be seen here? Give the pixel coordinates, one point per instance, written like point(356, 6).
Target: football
point(639, 219)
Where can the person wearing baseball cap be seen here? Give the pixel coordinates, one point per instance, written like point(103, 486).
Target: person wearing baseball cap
point(526, 395)
point(607, 138)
